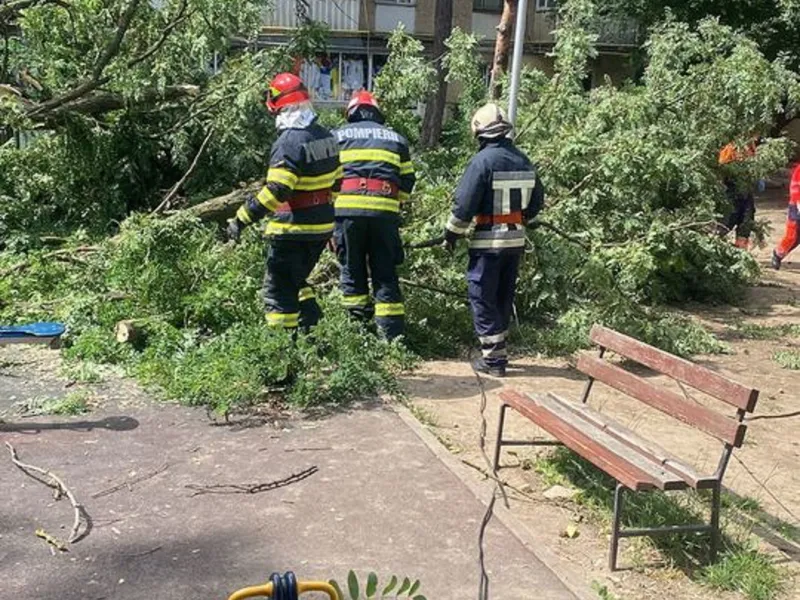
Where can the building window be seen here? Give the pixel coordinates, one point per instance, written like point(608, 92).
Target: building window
point(495, 6)
point(332, 78)
point(543, 5)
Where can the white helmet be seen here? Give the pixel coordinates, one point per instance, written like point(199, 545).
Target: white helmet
point(490, 122)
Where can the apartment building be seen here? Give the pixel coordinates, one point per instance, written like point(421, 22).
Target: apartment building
point(360, 29)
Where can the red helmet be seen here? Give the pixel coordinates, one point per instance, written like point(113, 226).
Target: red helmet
point(284, 90)
point(361, 98)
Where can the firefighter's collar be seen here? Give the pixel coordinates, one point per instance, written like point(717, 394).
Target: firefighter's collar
point(294, 118)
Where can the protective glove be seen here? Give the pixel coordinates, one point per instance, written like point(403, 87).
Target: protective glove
point(450, 241)
point(234, 230)
point(533, 224)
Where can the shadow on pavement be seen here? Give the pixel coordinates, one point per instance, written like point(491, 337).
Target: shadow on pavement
point(111, 423)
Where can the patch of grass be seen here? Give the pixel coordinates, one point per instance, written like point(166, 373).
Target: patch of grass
point(741, 567)
point(788, 359)
point(745, 504)
point(746, 571)
point(754, 331)
point(423, 415)
point(82, 372)
point(789, 531)
point(549, 468)
point(602, 591)
point(74, 403)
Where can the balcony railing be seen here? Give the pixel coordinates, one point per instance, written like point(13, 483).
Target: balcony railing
point(611, 31)
point(618, 31)
point(340, 15)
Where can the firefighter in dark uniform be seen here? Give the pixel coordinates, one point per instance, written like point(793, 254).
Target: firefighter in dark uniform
point(303, 176)
point(501, 192)
point(378, 179)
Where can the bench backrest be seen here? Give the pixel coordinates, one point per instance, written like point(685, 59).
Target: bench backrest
point(729, 430)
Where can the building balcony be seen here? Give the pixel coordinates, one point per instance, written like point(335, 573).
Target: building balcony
point(340, 15)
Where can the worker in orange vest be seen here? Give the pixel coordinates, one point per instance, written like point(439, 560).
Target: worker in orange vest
point(743, 213)
point(791, 239)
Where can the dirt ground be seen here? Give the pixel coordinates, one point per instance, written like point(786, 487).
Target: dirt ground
point(446, 398)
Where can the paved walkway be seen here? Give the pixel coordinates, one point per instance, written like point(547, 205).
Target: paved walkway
point(380, 500)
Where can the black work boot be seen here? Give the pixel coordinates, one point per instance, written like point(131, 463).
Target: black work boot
point(776, 261)
point(480, 366)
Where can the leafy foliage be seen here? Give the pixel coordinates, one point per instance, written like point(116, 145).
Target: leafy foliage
point(406, 80)
point(395, 588)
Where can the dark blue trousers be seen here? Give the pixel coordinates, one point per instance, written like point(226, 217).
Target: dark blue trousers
point(492, 280)
point(289, 300)
point(370, 248)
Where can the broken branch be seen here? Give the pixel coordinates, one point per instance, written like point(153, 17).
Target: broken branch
point(61, 490)
point(253, 488)
point(97, 79)
point(177, 187)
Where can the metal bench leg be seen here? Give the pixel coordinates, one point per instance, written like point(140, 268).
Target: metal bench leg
point(715, 532)
point(615, 527)
point(499, 442)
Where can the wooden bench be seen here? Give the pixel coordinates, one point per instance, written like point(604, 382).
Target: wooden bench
point(638, 464)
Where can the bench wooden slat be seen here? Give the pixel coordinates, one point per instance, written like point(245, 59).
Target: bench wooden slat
point(698, 377)
point(636, 442)
point(665, 480)
point(664, 400)
point(602, 457)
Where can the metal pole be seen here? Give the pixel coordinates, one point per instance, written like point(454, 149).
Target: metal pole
point(516, 63)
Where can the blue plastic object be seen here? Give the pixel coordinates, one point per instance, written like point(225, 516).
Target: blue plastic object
point(32, 330)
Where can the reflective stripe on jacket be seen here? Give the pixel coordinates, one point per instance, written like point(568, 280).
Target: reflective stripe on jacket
point(303, 176)
point(372, 153)
point(501, 191)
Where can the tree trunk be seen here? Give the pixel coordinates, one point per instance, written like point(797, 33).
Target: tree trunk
point(434, 112)
point(222, 208)
point(502, 47)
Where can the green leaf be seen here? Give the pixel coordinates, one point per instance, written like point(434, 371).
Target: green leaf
point(372, 585)
point(419, 597)
point(352, 585)
point(338, 589)
point(390, 587)
point(414, 588)
point(405, 587)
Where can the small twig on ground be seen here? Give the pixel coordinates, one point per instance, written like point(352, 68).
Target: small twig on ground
point(177, 187)
point(510, 486)
point(145, 552)
point(130, 483)
point(53, 541)
point(61, 490)
point(309, 449)
point(253, 488)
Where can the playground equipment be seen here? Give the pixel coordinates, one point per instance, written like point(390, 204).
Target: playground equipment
point(285, 587)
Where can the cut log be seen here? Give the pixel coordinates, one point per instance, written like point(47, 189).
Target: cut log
point(127, 332)
point(222, 208)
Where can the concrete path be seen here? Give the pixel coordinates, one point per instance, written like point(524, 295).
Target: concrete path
point(380, 500)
